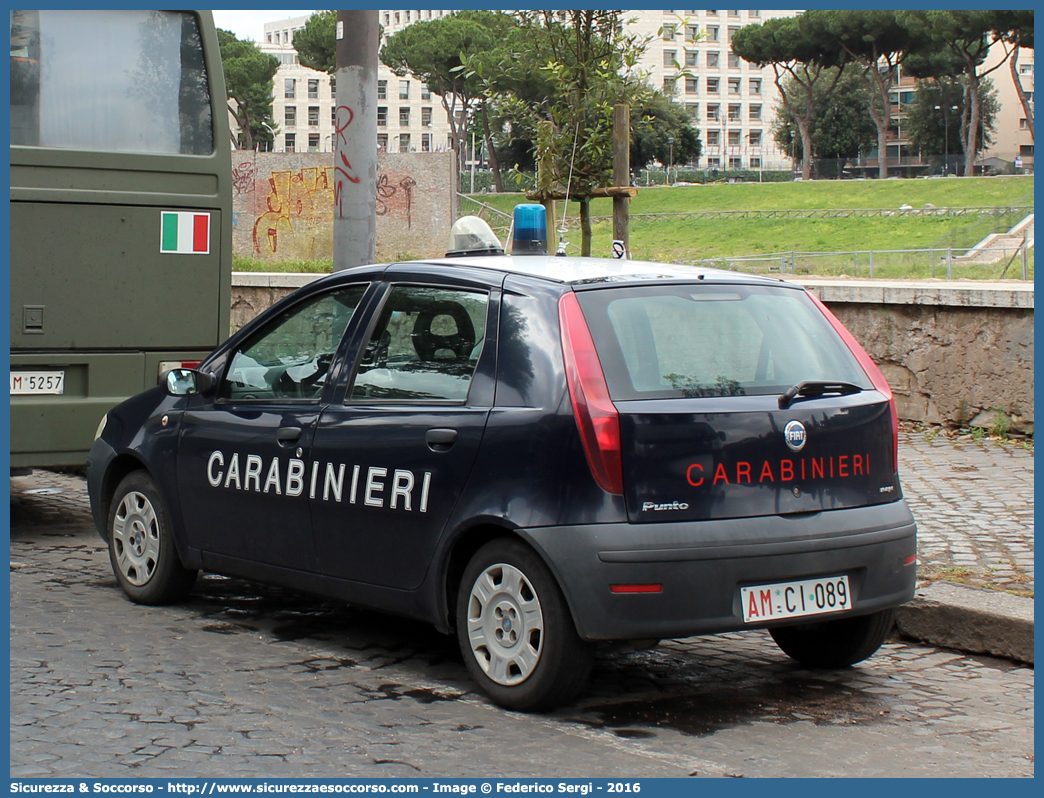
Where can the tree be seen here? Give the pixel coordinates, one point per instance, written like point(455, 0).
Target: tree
point(879, 42)
point(840, 128)
point(248, 82)
point(316, 43)
point(434, 51)
point(661, 130)
point(934, 127)
point(783, 44)
point(963, 39)
point(1016, 27)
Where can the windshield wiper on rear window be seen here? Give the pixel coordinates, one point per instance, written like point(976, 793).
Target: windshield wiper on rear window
point(811, 389)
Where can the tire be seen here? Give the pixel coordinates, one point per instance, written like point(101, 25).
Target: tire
point(515, 631)
point(835, 644)
point(141, 545)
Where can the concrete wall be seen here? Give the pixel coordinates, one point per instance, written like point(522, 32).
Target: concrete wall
point(282, 204)
point(951, 351)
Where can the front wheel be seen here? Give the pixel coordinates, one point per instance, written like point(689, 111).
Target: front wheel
point(141, 545)
point(515, 630)
point(835, 644)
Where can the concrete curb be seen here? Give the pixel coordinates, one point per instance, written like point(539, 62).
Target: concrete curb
point(970, 619)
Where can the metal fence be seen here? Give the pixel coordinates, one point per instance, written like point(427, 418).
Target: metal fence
point(988, 263)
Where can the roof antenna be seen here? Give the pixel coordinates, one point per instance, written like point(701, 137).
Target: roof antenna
point(562, 230)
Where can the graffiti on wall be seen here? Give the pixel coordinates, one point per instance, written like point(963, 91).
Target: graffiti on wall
point(343, 118)
point(285, 204)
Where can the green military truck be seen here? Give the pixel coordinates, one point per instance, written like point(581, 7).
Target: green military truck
point(121, 215)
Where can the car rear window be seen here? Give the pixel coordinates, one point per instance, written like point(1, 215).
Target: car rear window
point(716, 340)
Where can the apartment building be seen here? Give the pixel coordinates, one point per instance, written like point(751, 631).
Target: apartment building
point(409, 117)
point(733, 103)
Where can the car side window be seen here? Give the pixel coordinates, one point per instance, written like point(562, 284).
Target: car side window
point(290, 357)
point(425, 346)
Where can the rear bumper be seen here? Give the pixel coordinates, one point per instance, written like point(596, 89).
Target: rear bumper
point(702, 565)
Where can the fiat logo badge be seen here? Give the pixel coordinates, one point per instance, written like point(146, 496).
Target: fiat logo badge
point(795, 435)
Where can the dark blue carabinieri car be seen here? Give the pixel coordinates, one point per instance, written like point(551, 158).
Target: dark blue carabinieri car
point(534, 453)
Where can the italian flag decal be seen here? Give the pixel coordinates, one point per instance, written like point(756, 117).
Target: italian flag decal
point(185, 232)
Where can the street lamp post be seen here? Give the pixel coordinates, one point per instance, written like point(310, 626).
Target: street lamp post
point(670, 141)
point(946, 129)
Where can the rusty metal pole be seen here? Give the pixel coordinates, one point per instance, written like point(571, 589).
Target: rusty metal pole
point(355, 139)
point(622, 174)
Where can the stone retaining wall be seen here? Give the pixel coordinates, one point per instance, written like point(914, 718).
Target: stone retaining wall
point(953, 352)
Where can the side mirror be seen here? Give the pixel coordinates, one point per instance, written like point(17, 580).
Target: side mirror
point(186, 382)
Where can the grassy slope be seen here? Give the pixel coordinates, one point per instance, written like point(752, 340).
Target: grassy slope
point(689, 239)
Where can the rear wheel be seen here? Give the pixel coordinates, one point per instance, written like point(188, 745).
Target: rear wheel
point(835, 644)
point(515, 630)
point(141, 546)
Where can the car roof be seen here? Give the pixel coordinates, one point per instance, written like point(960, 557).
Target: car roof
point(573, 271)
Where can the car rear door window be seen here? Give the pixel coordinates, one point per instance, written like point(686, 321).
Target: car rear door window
point(290, 357)
point(425, 346)
point(693, 341)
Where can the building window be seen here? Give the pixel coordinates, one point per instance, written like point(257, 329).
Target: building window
point(387, 18)
point(669, 32)
point(404, 116)
point(1026, 150)
point(712, 110)
point(382, 142)
point(713, 85)
point(713, 13)
point(404, 90)
point(735, 139)
point(713, 60)
point(755, 14)
point(425, 92)
point(398, 18)
point(692, 85)
point(733, 30)
point(670, 85)
point(313, 116)
point(692, 58)
point(1023, 124)
point(425, 142)
point(755, 113)
point(734, 13)
point(290, 142)
point(734, 113)
point(713, 138)
point(755, 85)
point(333, 117)
point(692, 33)
point(289, 89)
point(313, 89)
point(735, 163)
point(290, 116)
point(734, 61)
point(426, 117)
point(404, 142)
point(755, 163)
point(712, 33)
point(734, 85)
point(382, 116)
point(670, 58)
point(755, 138)
point(313, 142)
point(713, 163)
point(382, 90)
point(693, 109)
point(1025, 69)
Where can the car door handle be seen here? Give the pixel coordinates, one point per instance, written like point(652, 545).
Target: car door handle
point(288, 434)
point(440, 440)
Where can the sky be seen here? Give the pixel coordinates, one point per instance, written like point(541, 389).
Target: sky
point(251, 24)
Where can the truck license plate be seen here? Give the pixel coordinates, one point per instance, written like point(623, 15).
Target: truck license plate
point(37, 382)
point(794, 599)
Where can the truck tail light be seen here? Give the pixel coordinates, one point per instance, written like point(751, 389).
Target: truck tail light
point(596, 415)
point(871, 369)
point(167, 365)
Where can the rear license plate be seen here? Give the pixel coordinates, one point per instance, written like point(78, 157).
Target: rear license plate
point(794, 599)
point(37, 382)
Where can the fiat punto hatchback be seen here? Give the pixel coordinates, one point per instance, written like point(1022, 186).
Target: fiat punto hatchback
point(534, 453)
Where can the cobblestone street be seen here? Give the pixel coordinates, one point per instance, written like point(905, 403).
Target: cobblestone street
point(244, 680)
point(974, 509)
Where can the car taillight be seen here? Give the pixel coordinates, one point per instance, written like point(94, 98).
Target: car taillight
point(596, 415)
point(167, 365)
point(871, 369)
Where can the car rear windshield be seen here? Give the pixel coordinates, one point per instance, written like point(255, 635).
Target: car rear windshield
point(670, 341)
